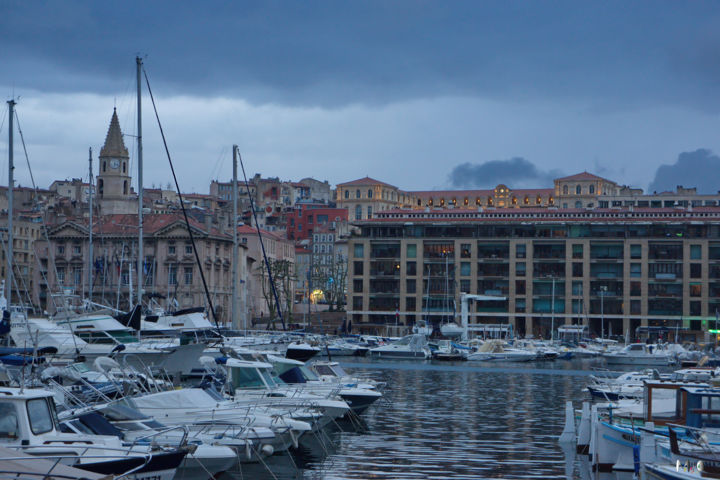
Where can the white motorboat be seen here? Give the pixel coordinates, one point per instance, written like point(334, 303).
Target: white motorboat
point(28, 423)
point(640, 354)
point(498, 351)
point(409, 346)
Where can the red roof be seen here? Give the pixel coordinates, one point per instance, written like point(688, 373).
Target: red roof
point(247, 229)
point(583, 176)
point(365, 181)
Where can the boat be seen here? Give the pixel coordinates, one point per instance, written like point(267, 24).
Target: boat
point(498, 351)
point(28, 424)
point(301, 351)
point(640, 354)
point(449, 351)
point(451, 330)
point(412, 346)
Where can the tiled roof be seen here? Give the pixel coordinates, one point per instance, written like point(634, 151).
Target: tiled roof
point(365, 181)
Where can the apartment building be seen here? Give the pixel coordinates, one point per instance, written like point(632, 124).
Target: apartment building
point(613, 270)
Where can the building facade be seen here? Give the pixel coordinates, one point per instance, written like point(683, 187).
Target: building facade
point(612, 269)
point(170, 269)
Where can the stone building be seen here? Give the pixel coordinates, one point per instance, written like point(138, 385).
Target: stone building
point(170, 269)
point(114, 192)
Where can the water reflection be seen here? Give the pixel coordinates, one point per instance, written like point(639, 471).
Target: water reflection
point(451, 421)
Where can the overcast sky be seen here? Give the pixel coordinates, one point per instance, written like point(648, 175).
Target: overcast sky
point(419, 94)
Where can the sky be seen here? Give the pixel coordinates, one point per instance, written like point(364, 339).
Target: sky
point(419, 94)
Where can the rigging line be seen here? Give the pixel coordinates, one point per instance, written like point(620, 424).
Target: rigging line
point(182, 203)
point(44, 223)
point(262, 243)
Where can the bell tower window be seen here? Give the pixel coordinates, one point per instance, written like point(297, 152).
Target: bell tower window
point(125, 190)
point(101, 185)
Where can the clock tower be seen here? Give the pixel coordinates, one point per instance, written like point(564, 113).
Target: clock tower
point(113, 181)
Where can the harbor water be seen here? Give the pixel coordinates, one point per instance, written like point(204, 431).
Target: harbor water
point(451, 421)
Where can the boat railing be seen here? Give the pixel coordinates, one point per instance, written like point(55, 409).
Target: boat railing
point(183, 440)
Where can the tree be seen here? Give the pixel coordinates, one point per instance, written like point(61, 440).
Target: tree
point(283, 276)
point(331, 278)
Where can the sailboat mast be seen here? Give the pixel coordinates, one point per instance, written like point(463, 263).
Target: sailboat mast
point(90, 228)
point(234, 320)
point(11, 182)
point(140, 258)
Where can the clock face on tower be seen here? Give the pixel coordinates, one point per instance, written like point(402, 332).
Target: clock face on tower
point(114, 163)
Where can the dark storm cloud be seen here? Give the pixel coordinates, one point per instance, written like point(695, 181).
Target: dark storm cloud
point(515, 172)
point(700, 169)
point(334, 53)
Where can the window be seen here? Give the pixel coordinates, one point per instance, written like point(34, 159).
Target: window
point(635, 307)
point(696, 290)
point(592, 189)
point(410, 285)
point(61, 249)
point(77, 250)
point(635, 289)
point(61, 275)
point(465, 250)
point(357, 193)
point(578, 204)
point(411, 268)
point(635, 270)
point(520, 269)
point(347, 193)
point(357, 285)
point(188, 249)
point(410, 304)
point(39, 416)
point(520, 305)
point(172, 274)
point(358, 212)
point(77, 274)
point(188, 275)
point(358, 250)
point(8, 421)
point(357, 303)
point(369, 211)
point(565, 190)
point(369, 192)
point(577, 288)
point(695, 270)
point(578, 190)
point(465, 269)
point(695, 252)
point(520, 250)
point(357, 268)
point(635, 251)
point(411, 250)
point(577, 269)
point(519, 287)
point(577, 251)
point(171, 249)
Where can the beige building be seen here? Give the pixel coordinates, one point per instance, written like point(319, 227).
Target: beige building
point(170, 269)
point(618, 271)
point(26, 230)
point(366, 196)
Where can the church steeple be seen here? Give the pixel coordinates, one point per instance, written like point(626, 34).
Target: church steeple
point(113, 181)
point(114, 144)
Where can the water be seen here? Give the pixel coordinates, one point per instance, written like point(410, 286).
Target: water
point(451, 421)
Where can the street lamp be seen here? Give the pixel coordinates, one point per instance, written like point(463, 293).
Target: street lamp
point(603, 289)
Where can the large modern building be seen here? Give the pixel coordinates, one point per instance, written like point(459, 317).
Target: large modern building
point(612, 269)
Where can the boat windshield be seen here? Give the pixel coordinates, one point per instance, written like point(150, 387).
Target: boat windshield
point(309, 374)
point(244, 377)
point(39, 416)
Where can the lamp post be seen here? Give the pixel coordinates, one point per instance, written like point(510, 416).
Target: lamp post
point(603, 289)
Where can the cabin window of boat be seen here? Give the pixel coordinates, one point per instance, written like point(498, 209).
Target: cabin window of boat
point(339, 371)
point(711, 415)
point(323, 370)
point(636, 347)
point(8, 421)
point(246, 378)
point(39, 416)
